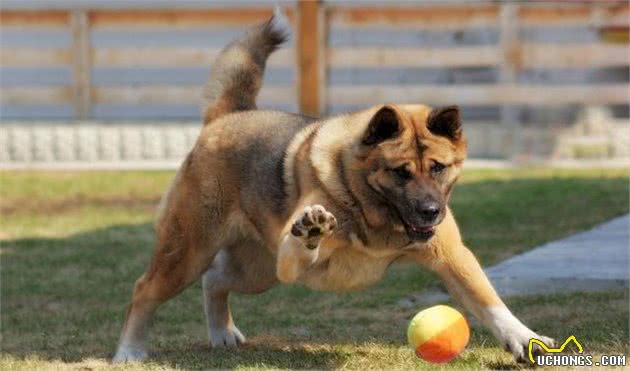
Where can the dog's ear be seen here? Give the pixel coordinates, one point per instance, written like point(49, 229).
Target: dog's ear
point(384, 125)
point(445, 122)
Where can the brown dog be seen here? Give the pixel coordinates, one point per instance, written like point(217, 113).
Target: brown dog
point(268, 196)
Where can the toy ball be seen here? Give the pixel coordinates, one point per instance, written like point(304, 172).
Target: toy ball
point(438, 334)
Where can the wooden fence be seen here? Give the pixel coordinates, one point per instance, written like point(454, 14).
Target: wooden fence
point(510, 55)
point(312, 57)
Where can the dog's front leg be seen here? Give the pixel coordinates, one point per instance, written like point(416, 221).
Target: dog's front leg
point(468, 284)
point(300, 241)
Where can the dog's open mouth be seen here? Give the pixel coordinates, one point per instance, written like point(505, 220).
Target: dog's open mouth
point(419, 233)
point(415, 232)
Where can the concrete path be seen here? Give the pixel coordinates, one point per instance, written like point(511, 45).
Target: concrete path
point(595, 260)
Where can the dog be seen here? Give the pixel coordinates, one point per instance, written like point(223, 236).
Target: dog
point(268, 196)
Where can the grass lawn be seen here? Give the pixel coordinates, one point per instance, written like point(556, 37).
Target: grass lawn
point(72, 244)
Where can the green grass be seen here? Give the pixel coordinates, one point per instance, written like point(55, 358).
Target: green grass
point(74, 242)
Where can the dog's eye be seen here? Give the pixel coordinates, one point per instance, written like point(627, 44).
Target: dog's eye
point(402, 172)
point(437, 168)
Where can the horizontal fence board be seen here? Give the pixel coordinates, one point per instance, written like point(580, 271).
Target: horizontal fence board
point(612, 12)
point(417, 17)
point(26, 18)
point(173, 56)
point(417, 57)
point(532, 55)
point(36, 95)
point(175, 18)
point(574, 56)
point(463, 16)
point(148, 95)
point(165, 37)
point(481, 94)
point(615, 12)
point(173, 75)
point(27, 57)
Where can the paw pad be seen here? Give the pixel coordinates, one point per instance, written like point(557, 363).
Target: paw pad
point(314, 223)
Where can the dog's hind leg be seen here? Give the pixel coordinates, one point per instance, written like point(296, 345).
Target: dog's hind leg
point(167, 276)
point(244, 267)
point(221, 329)
point(188, 238)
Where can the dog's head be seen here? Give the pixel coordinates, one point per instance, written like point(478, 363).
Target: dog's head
point(411, 156)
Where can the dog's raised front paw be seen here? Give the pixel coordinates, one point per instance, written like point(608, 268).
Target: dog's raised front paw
point(314, 224)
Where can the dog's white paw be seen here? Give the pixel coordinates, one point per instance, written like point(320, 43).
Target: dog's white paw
point(515, 336)
point(226, 337)
point(129, 353)
point(316, 222)
point(518, 344)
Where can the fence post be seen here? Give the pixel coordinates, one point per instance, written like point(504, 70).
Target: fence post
point(510, 65)
point(311, 47)
point(81, 64)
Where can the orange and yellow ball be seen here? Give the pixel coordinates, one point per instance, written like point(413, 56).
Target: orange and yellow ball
point(438, 334)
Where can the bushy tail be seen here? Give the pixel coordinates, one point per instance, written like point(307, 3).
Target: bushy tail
point(237, 73)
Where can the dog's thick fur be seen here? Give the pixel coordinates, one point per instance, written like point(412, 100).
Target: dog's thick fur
point(267, 196)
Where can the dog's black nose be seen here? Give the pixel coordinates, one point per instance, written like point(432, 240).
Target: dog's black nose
point(429, 210)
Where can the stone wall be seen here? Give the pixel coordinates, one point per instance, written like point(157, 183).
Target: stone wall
point(92, 142)
point(595, 134)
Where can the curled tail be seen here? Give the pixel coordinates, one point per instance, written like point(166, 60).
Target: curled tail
point(237, 73)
